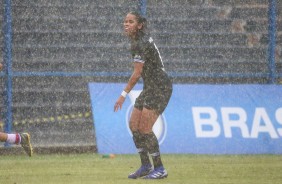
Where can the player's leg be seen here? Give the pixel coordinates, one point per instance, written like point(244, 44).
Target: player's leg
point(3, 137)
point(149, 117)
point(16, 138)
point(10, 138)
point(155, 104)
point(138, 139)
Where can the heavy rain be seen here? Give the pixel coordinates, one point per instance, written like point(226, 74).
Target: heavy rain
point(56, 50)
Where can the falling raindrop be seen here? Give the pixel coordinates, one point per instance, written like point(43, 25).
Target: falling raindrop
point(59, 46)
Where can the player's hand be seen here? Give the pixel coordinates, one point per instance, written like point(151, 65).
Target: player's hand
point(1, 66)
point(118, 104)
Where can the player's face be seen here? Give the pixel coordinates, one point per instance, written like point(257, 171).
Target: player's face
point(131, 25)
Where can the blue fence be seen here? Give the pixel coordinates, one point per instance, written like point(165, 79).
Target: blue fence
point(142, 6)
point(7, 54)
point(272, 40)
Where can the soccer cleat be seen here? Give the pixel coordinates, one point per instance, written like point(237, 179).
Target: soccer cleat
point(142, 171)
point(25, 142)
point(158, 173)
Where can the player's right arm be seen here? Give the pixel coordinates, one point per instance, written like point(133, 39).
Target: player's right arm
point(138, 67)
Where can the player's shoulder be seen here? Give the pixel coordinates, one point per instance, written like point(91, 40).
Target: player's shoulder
point(146, 42)
point(147, 39)
point(142, 43)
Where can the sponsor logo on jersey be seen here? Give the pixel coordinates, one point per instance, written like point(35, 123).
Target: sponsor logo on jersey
point(137, 58)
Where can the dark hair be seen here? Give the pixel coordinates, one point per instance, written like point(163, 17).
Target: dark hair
point(141, 20)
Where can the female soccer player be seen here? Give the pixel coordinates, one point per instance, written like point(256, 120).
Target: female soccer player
point(153, 99)
point(22, 138)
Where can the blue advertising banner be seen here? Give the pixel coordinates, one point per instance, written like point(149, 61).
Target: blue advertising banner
point(200, 119)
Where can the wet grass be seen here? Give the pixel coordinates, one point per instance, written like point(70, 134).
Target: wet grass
point(182, 169)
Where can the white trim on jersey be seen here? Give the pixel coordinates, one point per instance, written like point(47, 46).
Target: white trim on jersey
point(151, 41)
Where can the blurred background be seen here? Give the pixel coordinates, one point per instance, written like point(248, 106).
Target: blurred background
point(52, 49)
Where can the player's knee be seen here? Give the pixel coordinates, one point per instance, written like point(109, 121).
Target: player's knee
point(133, 126)
point(145, 128)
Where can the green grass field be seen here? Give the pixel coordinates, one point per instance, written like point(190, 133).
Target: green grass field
point(182, 169)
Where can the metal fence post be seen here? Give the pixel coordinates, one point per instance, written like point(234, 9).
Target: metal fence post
point(272, 40)
point(142, 6)
point(7, 57)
